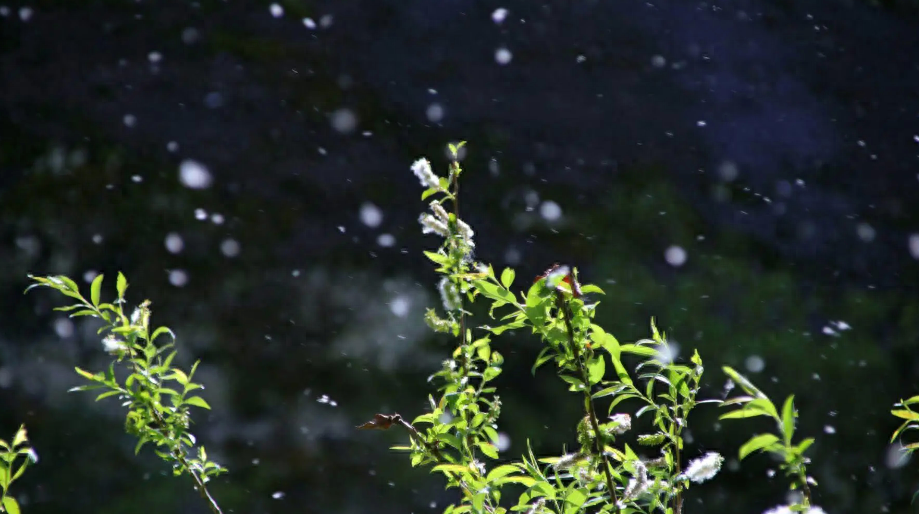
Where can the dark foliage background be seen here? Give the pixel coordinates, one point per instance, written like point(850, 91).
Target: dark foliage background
point(776, 143)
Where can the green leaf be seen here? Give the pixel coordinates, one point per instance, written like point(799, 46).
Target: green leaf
point(10, 505)
point(143, 440)
point(591, 288)
point(575, 499)
point(160, 331)
point(636, 349)
point(914, 399)
point(437, 258)
point(596, 368)
point(451, 468)
point(788, 418)
point(501, 471)
point(743, 413)
point(107, 394)
point(757, 443)
point(490, 450)
point(197, 401)
point(122, 285)
point(525, 481)
point(507, 277)
point(494, 292)
point(616, 389)
point(95, 290)
point(804, 445)
point(87, 375)
point(20, 437)
point(743, 382)
point(906, 414)
point(428, 192)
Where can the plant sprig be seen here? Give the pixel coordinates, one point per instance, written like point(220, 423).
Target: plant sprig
point(157, 394)
point(793, 461)
point(10, 452)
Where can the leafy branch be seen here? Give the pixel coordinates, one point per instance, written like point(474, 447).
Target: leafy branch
point(150, 382)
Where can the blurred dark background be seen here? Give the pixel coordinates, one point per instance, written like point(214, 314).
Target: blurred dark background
point(745, 171)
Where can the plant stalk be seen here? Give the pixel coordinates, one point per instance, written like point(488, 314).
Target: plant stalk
point(588, 401)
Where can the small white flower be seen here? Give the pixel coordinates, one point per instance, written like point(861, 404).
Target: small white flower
point(449, 294)
point(815, 510)
point(431, 225)
point(111, 344)
point(704, 468)
point(624, 423)
point(422, 169)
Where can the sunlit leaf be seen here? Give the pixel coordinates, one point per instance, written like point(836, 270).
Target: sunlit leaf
point(596, 368)
point(95, 290)
point(644, 351)
point(489, 450)
point(906, 414)
point(10, 505)
point(591, 288)
point(451, 468)
point(757, 443)
point(507, 277)
point(122, 285)
point(197, 401)
point(788, 418)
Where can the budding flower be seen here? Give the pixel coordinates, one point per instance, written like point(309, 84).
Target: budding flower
point(431, 225)
point(422, 169)
point(704, 468)
point(623, 423)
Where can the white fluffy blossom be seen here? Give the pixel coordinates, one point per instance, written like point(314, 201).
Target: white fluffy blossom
point(639, 484)
point(566, 461)
point(422, 169)
point(623, 423)
point(440, 212)
point(112, 344)
point(449, 294)
point(465, 231)
point(704, 468)
point(432, 225)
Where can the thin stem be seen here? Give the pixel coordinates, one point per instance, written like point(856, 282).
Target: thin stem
point(678, 501)
point(806, 488)
point(470, 443)
point(588, 401)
